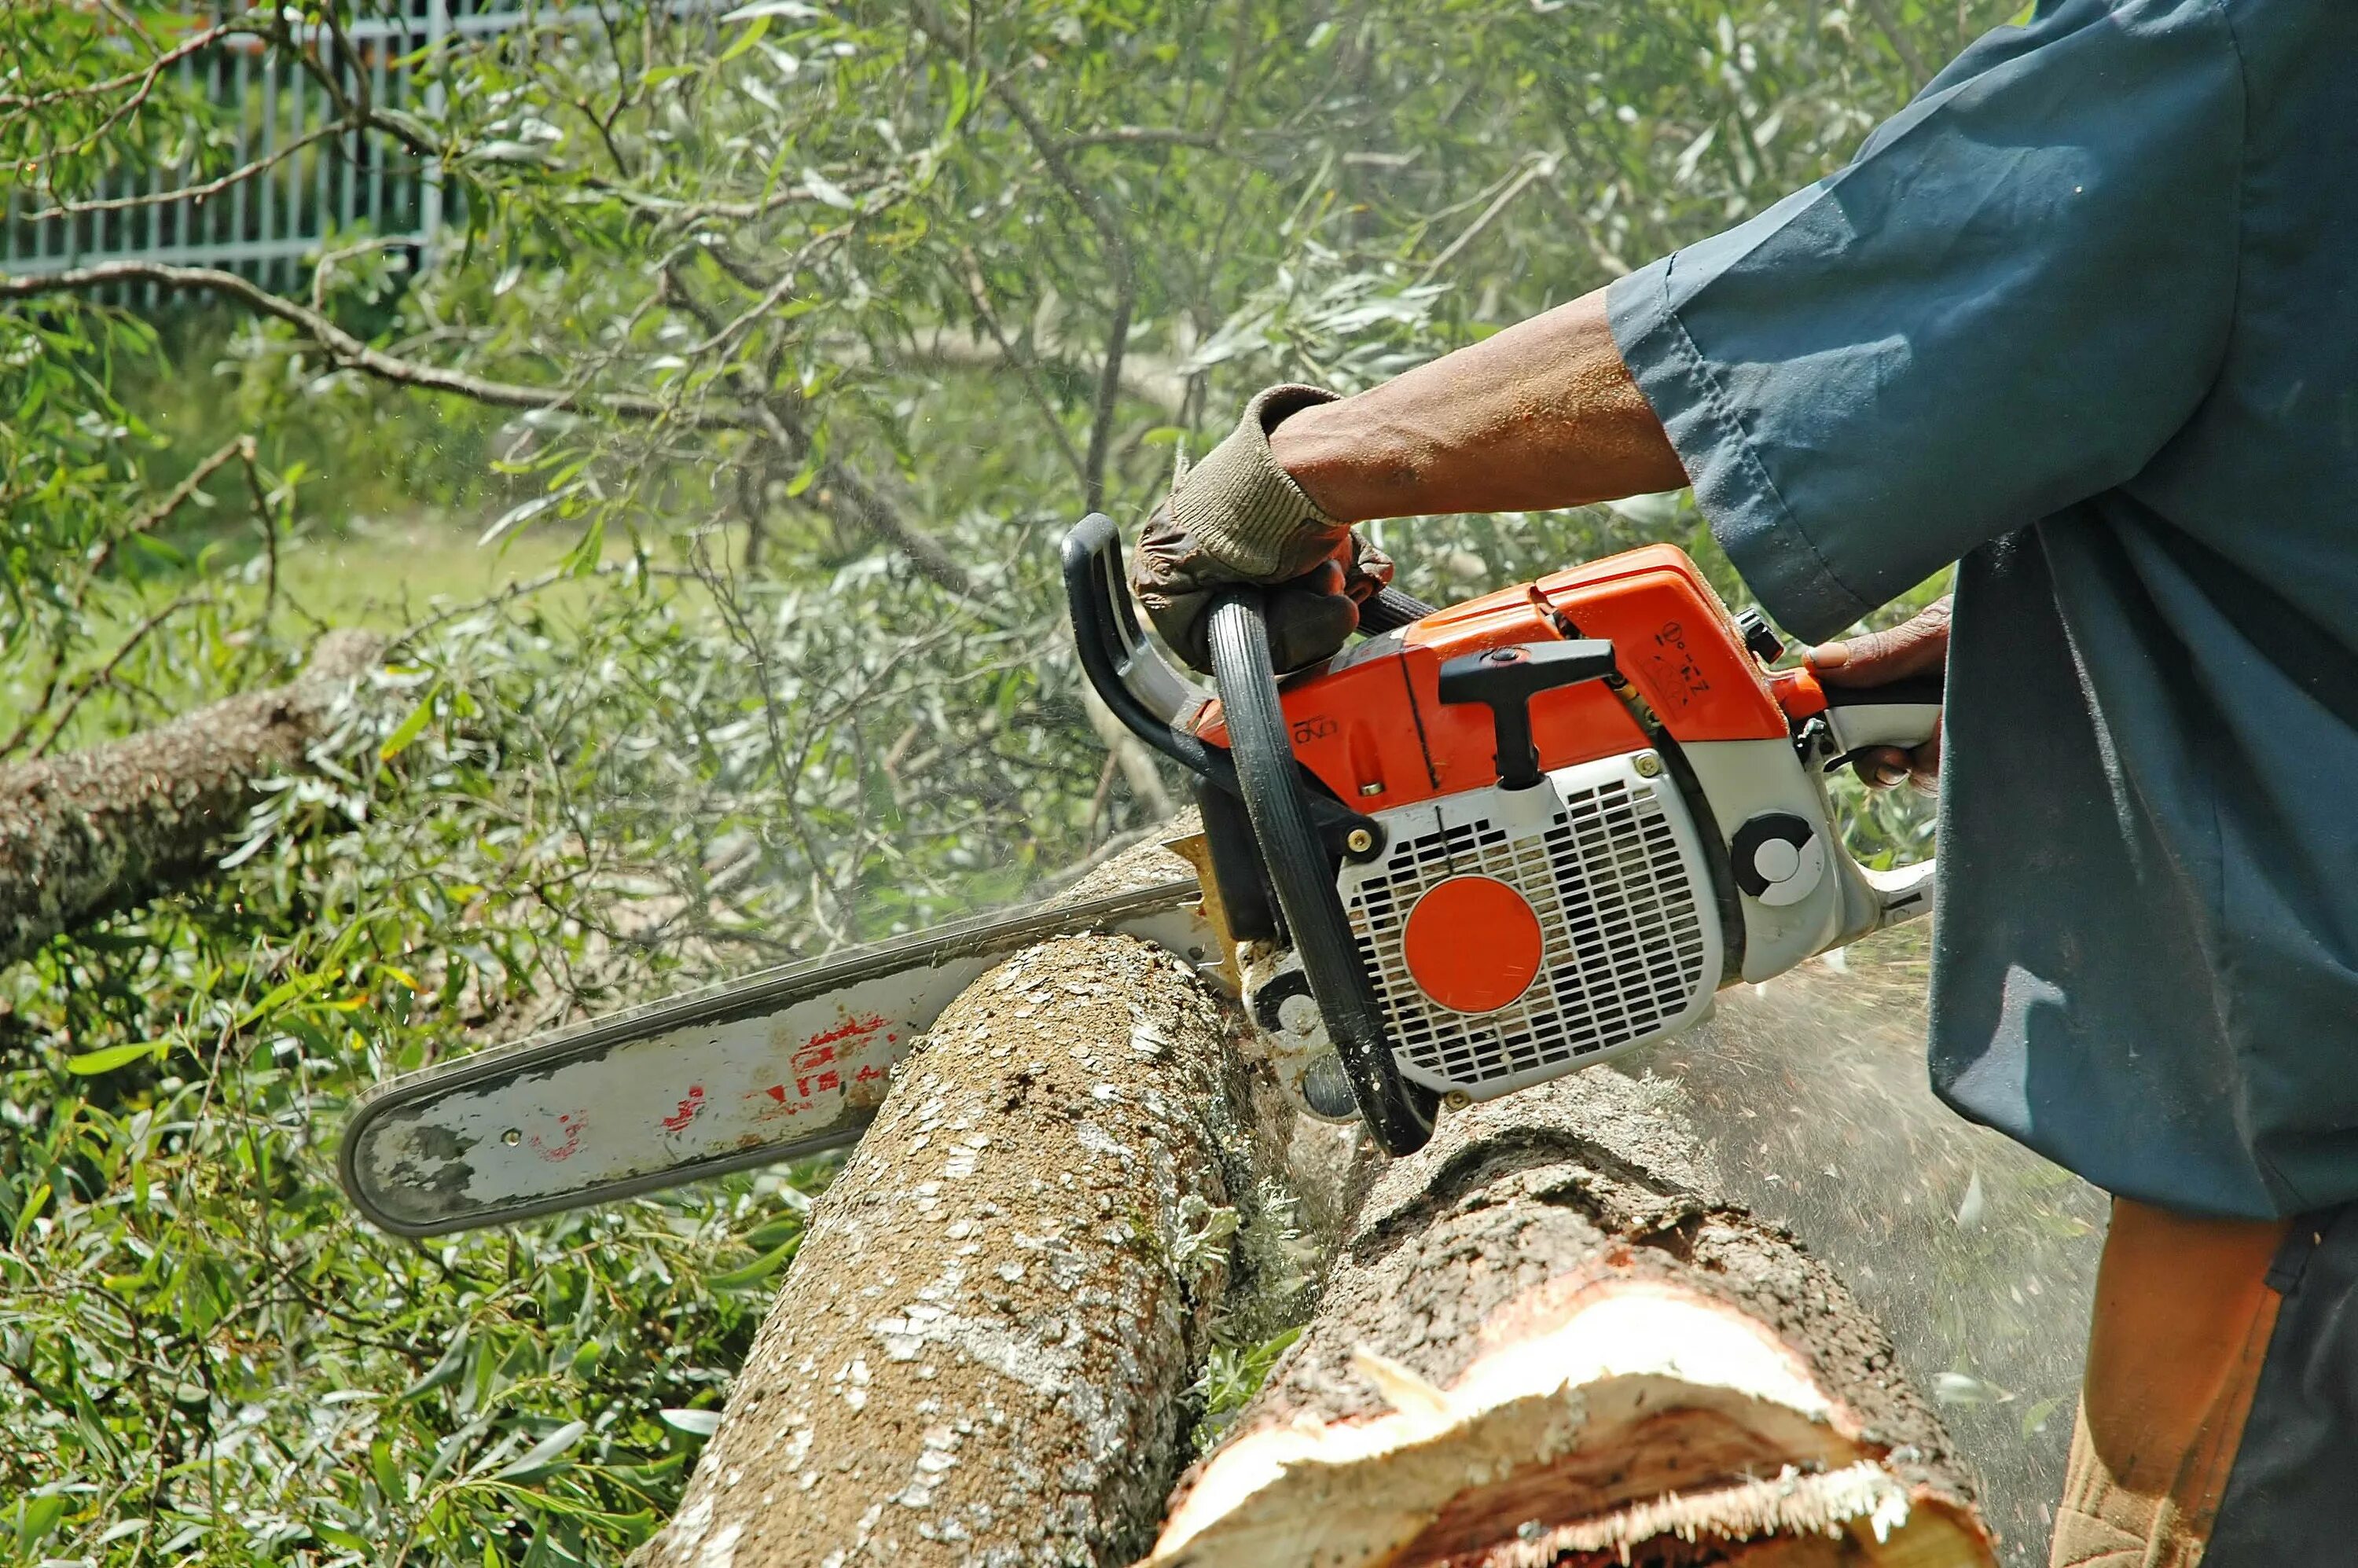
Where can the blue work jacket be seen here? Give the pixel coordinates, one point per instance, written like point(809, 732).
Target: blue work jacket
point(2083, 319)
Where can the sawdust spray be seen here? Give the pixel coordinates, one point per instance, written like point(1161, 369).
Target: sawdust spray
point(1978, 1256)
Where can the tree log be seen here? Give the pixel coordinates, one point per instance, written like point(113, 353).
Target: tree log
point(1975, 1255)
point(982, 1351)
point(1547, 1341)
point(95, 831)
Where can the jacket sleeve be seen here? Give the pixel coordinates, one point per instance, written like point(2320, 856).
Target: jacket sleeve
point(2008, 302)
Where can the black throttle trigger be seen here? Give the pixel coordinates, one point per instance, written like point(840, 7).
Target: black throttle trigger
point(1507, 678)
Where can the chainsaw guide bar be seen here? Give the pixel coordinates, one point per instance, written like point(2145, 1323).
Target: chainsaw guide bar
point(785, 1063)
point(1490, 845)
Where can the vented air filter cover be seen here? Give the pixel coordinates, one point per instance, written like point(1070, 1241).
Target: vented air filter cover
point(1607, 867)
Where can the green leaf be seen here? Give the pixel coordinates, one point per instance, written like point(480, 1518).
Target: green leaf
point(36, 1516)
point(388, 1478)
point(760, 1269)
point(697, 1423)
point(745, 40)
point(446, 1371)
point(91, 1063)
point(343, 1538)
point(410, 727)
point(545, 1458)
point(582, 559)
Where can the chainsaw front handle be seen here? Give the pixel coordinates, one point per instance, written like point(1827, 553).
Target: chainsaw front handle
point(1301, 872)
point(1114, 650)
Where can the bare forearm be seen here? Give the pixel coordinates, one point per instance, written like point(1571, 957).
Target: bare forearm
point(1541, 415)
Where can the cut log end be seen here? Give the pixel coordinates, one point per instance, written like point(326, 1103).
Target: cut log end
point(1610, 1400)
point(1619, 1419)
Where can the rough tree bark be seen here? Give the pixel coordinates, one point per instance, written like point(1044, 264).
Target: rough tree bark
point(1548, 1342)
point(981, 1352)
point(95, 831)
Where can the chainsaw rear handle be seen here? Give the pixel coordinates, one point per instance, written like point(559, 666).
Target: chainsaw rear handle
point(1902, 713)
point(1301, 872)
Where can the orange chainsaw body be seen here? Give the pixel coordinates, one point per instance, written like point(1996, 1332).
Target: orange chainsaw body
point(1371, 724)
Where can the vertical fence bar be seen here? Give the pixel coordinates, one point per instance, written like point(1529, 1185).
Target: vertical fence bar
point(355, 148)
point(273, 271)
point(238, 150)
point(151, 216)
point(325, 154)
point(392, 210)
point(429, 218)
point(383, 154)
point(298, 125)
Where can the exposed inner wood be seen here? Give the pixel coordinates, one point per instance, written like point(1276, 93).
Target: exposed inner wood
point(1549, 1342)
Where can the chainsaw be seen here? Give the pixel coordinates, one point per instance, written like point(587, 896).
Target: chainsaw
point(1480, 847)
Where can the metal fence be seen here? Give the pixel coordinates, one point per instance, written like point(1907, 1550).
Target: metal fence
point(316, 186)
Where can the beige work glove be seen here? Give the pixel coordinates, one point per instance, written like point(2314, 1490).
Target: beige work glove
point(1238, 517)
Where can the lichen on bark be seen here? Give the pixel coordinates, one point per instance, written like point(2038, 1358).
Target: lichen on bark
point(983, 1351)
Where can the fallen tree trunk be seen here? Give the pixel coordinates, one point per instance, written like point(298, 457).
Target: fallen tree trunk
point(981, 1352)
point(1548, 1342)
point(95, 831)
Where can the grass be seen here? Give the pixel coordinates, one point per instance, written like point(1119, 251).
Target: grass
point(386, 573)
point(381, 574)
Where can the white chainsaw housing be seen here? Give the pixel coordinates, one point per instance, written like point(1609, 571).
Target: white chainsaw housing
point(1608, 857)
point(1613, 863)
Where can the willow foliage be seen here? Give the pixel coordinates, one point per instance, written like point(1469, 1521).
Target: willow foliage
point(805, 329)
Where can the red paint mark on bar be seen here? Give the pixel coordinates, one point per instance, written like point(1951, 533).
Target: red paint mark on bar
point(846, 1030)
point(568, 1123)
point(678, 1119)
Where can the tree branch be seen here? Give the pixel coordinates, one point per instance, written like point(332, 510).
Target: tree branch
point(143, 79)
point(242, 446)
point(1889, 26)
point(1539, 169)
point(1140, 135)
point(838, 491)
point(1101, 217)
point(1026, 366)
point(348, 350)
point(205, 191)
point(106, 672)
point(1125, 286)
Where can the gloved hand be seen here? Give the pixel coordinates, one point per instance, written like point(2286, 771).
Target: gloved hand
point(1238, 517)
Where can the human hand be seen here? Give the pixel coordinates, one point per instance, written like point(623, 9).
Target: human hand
point(1310, 615)
point(1238, 517)
point(1918, 646)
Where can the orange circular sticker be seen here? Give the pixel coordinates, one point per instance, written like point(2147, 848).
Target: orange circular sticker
point(1473, 944)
